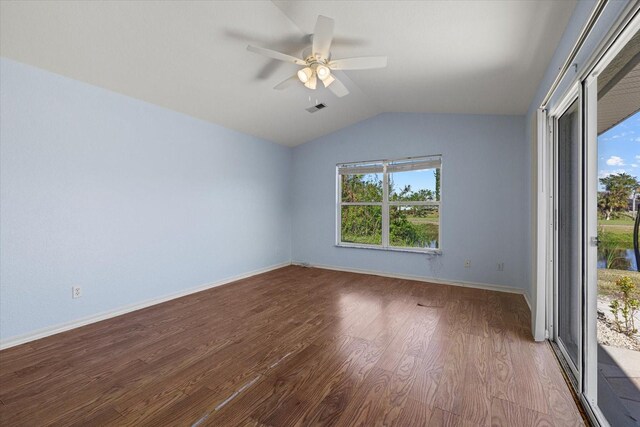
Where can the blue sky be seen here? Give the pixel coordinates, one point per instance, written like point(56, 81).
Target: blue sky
point(619, 148)
point(423, 179)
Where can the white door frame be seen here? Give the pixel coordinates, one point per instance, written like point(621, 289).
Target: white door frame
point(541, 224)
point(590, 240)
point(573, 95)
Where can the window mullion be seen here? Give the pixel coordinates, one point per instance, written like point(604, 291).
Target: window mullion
point(414, 203)
point(385, 206)
point(361, 203)
point(338, 209)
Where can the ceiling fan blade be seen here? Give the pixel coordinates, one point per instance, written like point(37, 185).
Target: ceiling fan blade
point(338, 88)
point(361, 63)
point(276, 55)
point(327, 81)
point(322, 36)
point(287, 83)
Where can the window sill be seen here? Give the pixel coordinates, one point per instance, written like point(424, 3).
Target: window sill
point(391, 249)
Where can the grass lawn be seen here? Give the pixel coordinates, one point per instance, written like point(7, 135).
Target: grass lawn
point(429, 219)
point(616, 226)
point(616, 240)
point(423, 232)
point(620, 221)
point(616, 233)
point(374, 239)
point(618, 230)
point(607, 281)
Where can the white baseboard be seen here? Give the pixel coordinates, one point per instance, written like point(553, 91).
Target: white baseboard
point(477, 285)
point(41, 333)
point(526, 298)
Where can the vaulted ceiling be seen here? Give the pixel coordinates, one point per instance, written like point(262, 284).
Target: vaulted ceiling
point(476, 57)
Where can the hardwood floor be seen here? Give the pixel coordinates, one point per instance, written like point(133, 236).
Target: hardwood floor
point(296, 346)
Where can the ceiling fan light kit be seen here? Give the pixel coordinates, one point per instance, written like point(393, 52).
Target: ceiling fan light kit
point(318, 65)
point(323, 72)
point(305, 74)
point(311, 84)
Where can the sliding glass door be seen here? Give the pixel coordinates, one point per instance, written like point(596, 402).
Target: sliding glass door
point(611, 267)
point(594, 134)
point(568, 239)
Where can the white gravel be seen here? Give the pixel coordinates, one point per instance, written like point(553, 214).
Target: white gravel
point(607, 335)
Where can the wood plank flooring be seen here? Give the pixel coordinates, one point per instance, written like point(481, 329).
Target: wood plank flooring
point(296, 346)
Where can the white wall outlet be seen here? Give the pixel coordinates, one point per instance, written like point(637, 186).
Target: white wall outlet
point(501, 266)
point(76, 292)
point(467, 263)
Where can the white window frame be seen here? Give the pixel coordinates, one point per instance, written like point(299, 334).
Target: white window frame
point(386, 205)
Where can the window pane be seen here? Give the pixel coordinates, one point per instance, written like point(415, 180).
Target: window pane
point(419, 185)
point(362, 224)
point(362, 188)
point(414, 226)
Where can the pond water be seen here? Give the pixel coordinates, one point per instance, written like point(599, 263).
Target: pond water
point(620, 259)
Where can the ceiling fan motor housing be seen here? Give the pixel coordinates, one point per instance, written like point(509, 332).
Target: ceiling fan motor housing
point(308, 56)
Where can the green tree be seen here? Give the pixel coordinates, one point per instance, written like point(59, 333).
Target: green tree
point(361, 188)
point(362, 224)
point(618, 189)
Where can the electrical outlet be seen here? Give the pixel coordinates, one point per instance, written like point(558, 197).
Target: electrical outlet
point(501, 266)
point(76, 292)
point(467, 263)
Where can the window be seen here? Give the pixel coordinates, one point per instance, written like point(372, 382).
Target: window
point(390, 204)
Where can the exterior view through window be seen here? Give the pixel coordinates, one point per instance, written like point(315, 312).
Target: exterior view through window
point(390, 204)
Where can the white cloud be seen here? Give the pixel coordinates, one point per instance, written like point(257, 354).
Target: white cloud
point(604, 174)
point(615, 161)
point(619, 135)
point(633, 165)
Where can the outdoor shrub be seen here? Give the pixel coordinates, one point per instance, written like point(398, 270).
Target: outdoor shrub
point(627, 307)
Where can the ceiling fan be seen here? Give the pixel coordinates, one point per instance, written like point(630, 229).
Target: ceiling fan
point(318, 63)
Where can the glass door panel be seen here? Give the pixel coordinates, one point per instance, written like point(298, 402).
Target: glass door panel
point(569, 298)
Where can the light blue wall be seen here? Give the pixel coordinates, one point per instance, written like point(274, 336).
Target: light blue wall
point(485, 207)
point(129, 200)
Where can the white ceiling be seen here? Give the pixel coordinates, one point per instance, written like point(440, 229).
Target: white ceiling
point(479, 57)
